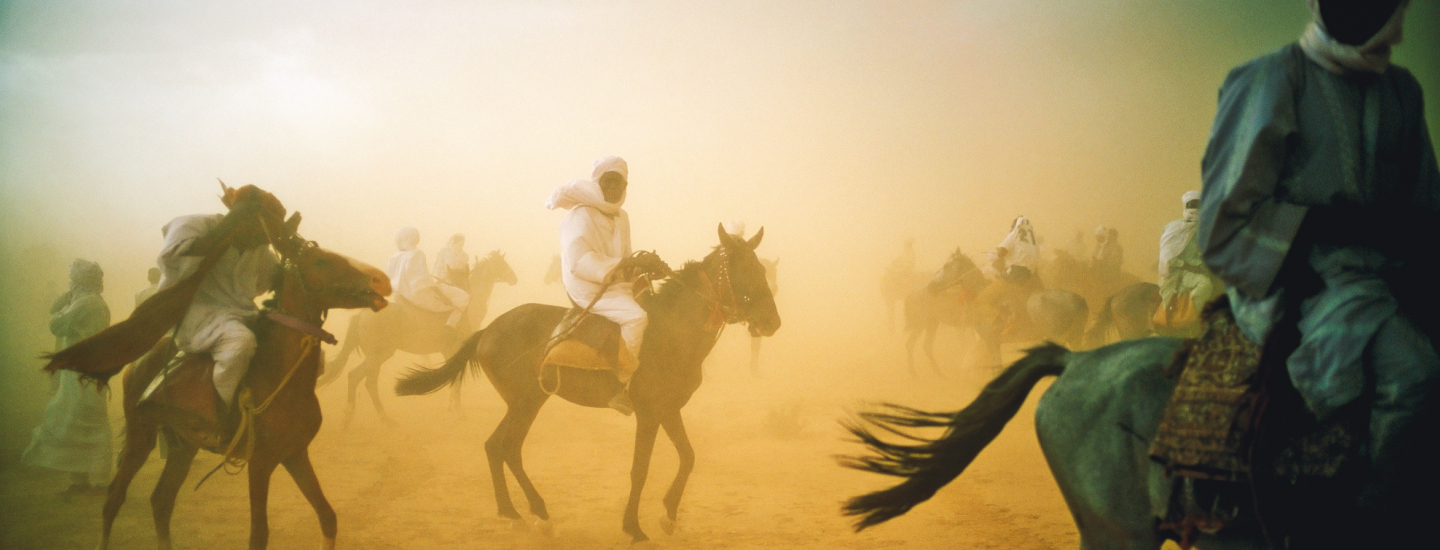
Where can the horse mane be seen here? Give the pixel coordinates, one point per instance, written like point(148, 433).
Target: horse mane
point(686, 277)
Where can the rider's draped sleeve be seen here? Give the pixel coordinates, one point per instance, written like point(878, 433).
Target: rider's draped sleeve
point(1245, 228)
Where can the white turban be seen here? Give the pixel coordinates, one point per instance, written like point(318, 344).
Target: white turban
point(735, 228)
point(587, 192)
point(407, 238)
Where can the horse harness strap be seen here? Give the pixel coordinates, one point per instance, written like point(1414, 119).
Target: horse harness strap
point(302, 326)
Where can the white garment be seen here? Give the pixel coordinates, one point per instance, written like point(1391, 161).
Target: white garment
point(1179, 233)
point(145, 294)
point(1024, 251)
point(452, 263)
point(411, 281)
point(74, 435)
point(217, 321)
point(594, 237)
point(1371, 57)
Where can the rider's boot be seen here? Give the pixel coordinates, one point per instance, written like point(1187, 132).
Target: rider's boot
point(621, 401)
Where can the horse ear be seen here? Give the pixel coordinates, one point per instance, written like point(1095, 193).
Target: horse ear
point(725, 239)
point(293, 224)
point(755, 241)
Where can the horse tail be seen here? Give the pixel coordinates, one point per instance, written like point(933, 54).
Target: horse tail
point(1103, 320)
point(929, 464)
point(336, 365)
point(421, 381)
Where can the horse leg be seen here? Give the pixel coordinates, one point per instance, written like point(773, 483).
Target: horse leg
point(177, 466)
point(930, 348)
point(139, 441)
point(910, 337)
point(646, 427)
point(755, 355)
point(520, 428)
point(260, 469)
point(372, 386)
point(675, 428)
point(304, 475)
point(495, 452)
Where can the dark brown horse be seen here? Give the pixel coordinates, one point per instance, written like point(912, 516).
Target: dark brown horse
point(686, 317)
point(283, 373)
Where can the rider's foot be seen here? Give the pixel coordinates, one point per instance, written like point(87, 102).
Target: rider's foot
point(621, 402)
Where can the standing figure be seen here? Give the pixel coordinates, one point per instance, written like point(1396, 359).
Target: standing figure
point(414, 285)
point(74, 435)
point(594, 250)
point(1109, 257)
point(154, 277)
point(1319, 180)
point(1186, 285)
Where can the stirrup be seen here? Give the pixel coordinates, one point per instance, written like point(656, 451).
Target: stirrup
point(621, 402)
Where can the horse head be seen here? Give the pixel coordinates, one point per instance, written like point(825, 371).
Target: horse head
point(959, 269)
point(331, 280)
point(752, 299)
point(493, 267)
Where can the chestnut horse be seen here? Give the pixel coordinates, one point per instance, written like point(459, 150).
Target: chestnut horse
point(686, 317)
point(281, 377)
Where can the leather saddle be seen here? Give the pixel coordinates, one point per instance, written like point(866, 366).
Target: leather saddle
point(586, 341)
point(183, 394)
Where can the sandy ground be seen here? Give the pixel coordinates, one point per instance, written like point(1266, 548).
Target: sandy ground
point(764, 478)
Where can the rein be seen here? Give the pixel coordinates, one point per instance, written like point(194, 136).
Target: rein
point(245, 401)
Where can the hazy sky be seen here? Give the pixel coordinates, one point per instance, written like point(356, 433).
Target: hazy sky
point(843, 127)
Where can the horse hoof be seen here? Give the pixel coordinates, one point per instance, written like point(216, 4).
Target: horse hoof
point(328, 544)
point(544, 527)
point(667, 525)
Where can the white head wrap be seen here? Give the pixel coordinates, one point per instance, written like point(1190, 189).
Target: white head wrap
point(1021, 244)
point(1373, 56)
point(1178, 233)
point(587, 192)
point(735, 228)
point(86, 275)
point(407, 238)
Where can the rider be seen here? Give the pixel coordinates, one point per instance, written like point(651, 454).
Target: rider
point(217, 321)
point(1182, 271)
point(1319, 181)
point(1014, 262)
point(452, 263)
point(1109, 257)
point(414, 284)
point(594, 252)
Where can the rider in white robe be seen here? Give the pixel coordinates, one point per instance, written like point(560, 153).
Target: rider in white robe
point(414, 284)
point(594, 238)
point(74, 435)
point(218, 319)
point(452, 263)
point(1182, 269)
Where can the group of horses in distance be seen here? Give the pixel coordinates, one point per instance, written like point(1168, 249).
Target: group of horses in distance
point(1078, 305)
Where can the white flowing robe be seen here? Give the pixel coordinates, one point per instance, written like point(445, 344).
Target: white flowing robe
point(218, 319)
point(74, 435)
point(594, 237)
point(414, 284)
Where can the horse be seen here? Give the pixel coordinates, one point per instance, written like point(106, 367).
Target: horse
point(1128, 313)
point(1050, 313)
point(934, 303)
point(687, 315)
point(407, 328)
point(1095, 423)
point(282, 373)
point(770, 280)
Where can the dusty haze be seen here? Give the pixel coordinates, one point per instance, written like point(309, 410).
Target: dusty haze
point(841, 127)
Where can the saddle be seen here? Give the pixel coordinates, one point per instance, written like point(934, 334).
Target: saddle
point(184, 394)
point(1235, 432)
point(588, 341)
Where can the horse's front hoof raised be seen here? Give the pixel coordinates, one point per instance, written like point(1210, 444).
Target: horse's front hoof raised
point(667, 525)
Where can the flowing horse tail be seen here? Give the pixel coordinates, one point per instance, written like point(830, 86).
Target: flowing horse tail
point(422, 381)
point(929, 464)
point(336, 365)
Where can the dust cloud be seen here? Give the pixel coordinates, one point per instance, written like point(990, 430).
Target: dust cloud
point(841, 127)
